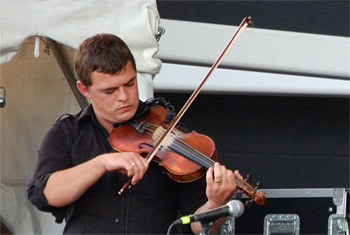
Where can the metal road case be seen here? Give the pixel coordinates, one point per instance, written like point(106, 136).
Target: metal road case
point(295, 211)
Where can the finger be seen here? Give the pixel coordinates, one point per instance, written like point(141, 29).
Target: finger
point(210, 176)
point(134, 170)
point(130, 167)
point(224, 174)
point(140, 167)
point(231, 179)
point(217, 173)
point(144, 163)
point(238, 174)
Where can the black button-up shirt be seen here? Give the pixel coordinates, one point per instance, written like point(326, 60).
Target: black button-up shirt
point(148, 208)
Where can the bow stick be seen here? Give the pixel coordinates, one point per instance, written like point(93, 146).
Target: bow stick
point(190, 100)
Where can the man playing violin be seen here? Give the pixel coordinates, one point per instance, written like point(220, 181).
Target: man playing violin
point(78, 175)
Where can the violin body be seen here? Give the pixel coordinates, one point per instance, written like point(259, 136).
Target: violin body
point(184, 156)
point(175, 155)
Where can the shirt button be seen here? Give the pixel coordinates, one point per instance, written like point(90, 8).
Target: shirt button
point(116, 221)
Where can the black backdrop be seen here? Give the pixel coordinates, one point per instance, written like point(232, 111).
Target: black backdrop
point(329, 17)
point(284, 142)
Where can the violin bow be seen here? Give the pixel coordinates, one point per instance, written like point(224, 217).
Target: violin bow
point(245, 22)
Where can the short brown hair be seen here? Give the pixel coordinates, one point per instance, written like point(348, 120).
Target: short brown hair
point(104, 53)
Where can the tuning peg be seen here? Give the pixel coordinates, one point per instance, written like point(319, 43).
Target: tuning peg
point(249, 203)
point(247, 178)
point(258, 185)
point(239, 194)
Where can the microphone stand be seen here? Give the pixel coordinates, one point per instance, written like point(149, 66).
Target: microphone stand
point(206, 227)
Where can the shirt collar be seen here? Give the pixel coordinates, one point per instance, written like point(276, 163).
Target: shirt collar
point(89, 111)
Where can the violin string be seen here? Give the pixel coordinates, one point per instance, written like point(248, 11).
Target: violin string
point(208, 162)
point(200, 158)
point(243, 185)
point(189, 151)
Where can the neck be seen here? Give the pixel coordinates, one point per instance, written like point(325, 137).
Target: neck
point(108, 126)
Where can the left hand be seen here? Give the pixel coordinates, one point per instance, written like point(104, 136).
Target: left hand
point(221, 185)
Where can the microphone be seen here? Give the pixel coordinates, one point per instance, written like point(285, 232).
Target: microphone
point(233, 208)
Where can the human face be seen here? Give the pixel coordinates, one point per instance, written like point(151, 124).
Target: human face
point(114, 97)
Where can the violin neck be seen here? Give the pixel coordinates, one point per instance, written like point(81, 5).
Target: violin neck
point(247, 188)
point(192, 154)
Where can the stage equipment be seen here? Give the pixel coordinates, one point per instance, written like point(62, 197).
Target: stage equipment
point(233, 209)
point(281, 224)
point(297, 211)
point(2, 97)
point(161, 31)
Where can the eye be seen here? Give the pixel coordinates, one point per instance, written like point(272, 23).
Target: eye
point(131, 83)
point(109, 91)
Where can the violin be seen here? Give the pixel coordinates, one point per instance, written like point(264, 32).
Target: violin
point(184, 156)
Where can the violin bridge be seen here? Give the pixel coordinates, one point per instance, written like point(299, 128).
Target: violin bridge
point(159, 132)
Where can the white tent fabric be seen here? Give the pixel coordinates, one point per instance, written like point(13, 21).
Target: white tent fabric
point(37, 92)
point(262, 61)
point(70, 22)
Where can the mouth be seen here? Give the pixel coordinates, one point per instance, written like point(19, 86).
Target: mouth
point(124, 108)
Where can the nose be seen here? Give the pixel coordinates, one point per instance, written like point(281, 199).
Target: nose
point(122, 94)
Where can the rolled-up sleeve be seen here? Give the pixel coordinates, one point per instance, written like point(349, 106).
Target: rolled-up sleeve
point(36, 195)
point(52, 156)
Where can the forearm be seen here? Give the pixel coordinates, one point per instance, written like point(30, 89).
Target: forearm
point(66, 186)
point(197, 226)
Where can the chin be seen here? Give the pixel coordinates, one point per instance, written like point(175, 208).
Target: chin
point(124, 117)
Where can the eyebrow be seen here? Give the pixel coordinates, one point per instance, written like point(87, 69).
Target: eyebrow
point(113, 88)
point(131, 80)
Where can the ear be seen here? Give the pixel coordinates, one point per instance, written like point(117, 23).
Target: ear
point(83, 89)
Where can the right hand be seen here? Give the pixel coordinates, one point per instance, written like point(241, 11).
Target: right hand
point(128, 163)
